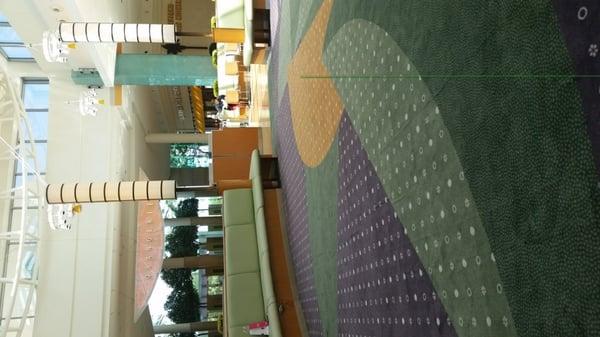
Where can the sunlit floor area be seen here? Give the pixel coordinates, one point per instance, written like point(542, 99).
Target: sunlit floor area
point(259, 87)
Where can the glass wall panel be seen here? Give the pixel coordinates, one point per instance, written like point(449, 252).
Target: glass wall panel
point(35, 95)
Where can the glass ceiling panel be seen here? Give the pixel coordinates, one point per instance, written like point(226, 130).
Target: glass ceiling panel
point(9, 35)
point(16, 52)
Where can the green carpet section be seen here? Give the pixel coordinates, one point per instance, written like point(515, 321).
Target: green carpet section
point(295, 17)
point(284, 49)
point(402, 130)
point(322, 187)
point(521, 142)
point(307, 10)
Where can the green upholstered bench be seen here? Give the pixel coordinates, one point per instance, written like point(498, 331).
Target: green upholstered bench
point(249, 294)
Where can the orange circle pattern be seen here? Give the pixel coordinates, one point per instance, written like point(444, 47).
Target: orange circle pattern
point(316, 107)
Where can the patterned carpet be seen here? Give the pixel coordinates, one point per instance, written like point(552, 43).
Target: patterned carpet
point(440, 165)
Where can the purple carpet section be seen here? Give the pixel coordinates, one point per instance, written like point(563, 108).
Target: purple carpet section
point(274, 58)
point(273, 71)
point(274, 6)
point(383, 289)
point(293, 180)
point(578, 22)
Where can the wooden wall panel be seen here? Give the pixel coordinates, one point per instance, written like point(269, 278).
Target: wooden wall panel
point(230, 168)
point(235, 140)
point(231, 149)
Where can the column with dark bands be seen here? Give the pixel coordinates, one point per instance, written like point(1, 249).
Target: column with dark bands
point(116, 32)
point(110, 191)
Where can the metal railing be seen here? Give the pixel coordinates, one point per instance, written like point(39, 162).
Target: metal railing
point(19, 290)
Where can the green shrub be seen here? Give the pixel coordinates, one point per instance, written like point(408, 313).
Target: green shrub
point(216, 88)
point(213, 58)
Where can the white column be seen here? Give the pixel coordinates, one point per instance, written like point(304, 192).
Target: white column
point(116, 32)
point(173, 138)
point(110, 191)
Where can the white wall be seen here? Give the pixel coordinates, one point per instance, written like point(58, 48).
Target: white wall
point(75, 266)
point(86, 274)
point(90, 268)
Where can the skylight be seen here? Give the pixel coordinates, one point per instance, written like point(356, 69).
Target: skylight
point(11, 45)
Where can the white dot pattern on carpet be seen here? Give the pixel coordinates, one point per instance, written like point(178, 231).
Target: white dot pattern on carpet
point(293, 178)
point(383, 288)
point(397, 120)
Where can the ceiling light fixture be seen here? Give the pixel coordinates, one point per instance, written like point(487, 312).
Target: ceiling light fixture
point(88, 102)
point(60, 216)
point(54, 49)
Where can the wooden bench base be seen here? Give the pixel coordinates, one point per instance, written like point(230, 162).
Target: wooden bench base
point(280, 267)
